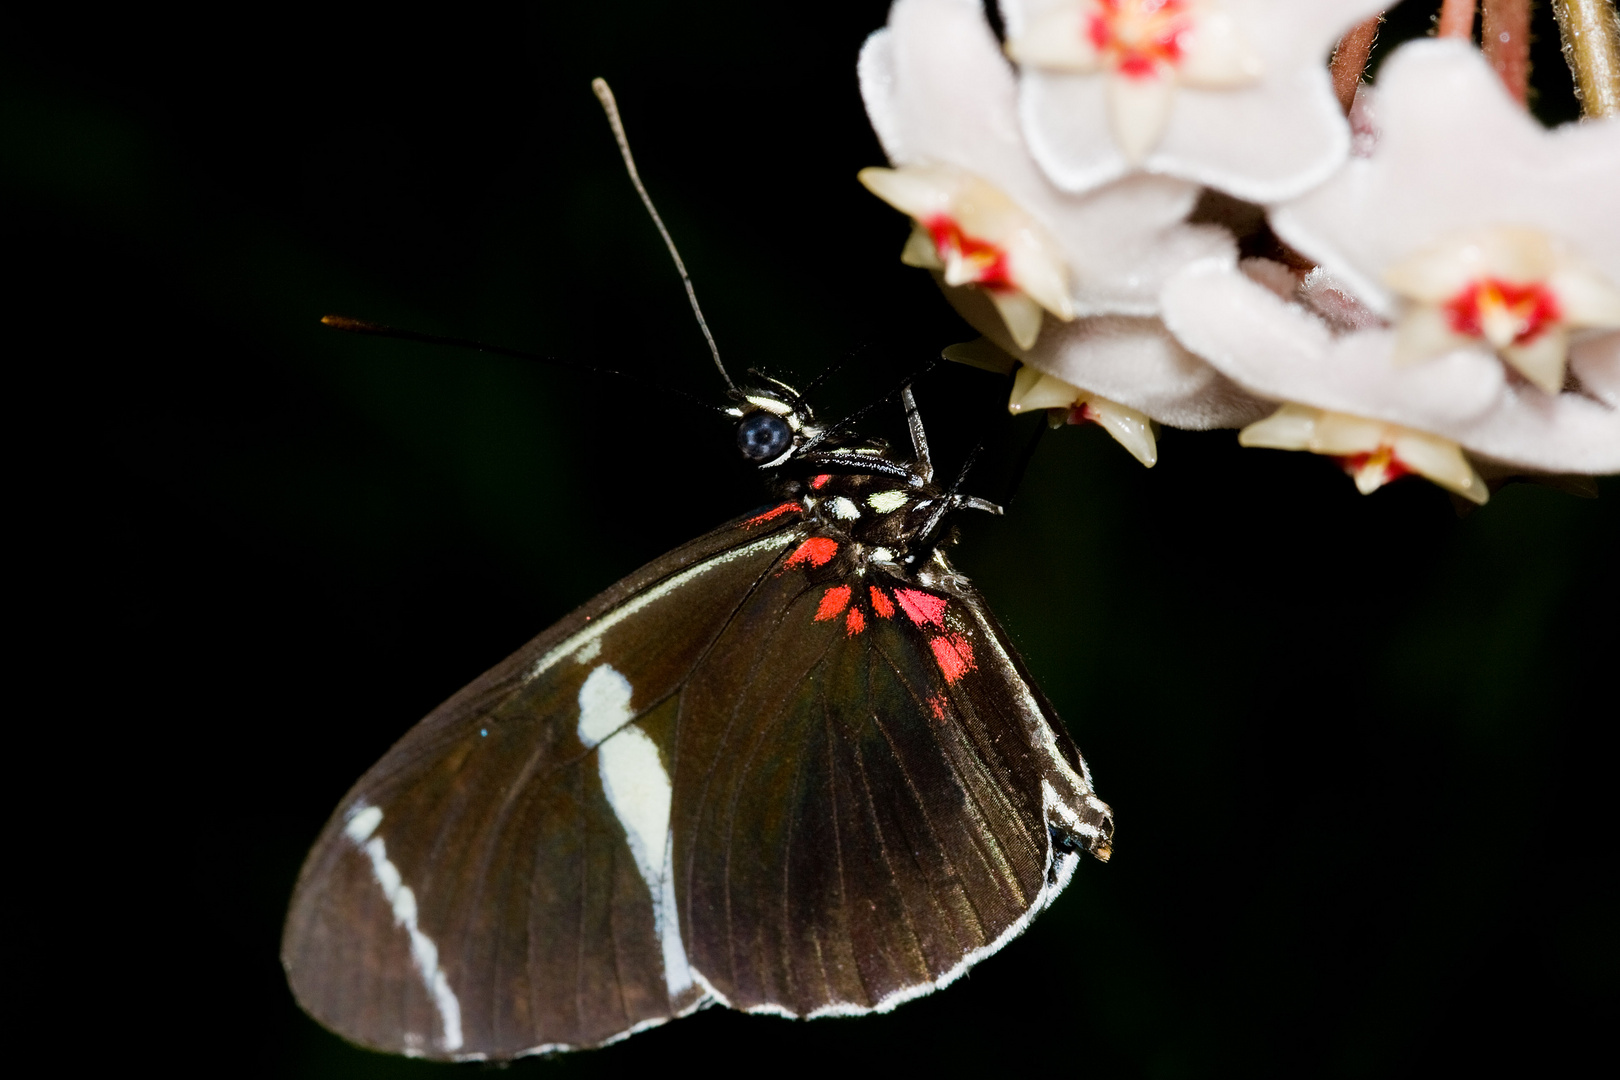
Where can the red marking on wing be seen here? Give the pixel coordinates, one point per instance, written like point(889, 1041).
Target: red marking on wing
point(775, 511)
point(855, 622)
point(816, 551)
point(937, 703)
point(954, 654)
point(833, 601)
point(819, 482)
point(922, 608)
point(881, 604)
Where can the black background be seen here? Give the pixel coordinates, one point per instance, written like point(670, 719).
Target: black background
point(1364, 798)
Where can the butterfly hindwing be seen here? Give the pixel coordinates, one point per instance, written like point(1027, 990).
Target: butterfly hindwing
point(868, 819)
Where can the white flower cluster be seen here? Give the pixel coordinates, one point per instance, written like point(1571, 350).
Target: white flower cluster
point(1445, 293)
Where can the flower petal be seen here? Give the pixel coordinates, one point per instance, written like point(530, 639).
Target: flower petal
point(1138, 112)
point(1280, 351)
point(939, 91)
point(1265, 141)
point(1456, 155)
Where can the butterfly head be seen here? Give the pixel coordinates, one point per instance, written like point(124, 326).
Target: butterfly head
point(773, 423)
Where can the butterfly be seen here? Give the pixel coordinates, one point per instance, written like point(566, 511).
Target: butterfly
point(792, 767)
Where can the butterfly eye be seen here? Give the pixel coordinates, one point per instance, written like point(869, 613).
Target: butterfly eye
point(762, 436)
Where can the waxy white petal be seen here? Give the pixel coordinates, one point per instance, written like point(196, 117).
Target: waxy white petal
point(1218, 55)
point(1129, 427)
point(1540, 360)
point(1457, 157)
point(940, 92)
point(978, 214)
point(1280, 351)
point(1138, 112)
point(1057, 38)
point(1021, 313)
point(1254, 114)
point(1034, 389)
point(1319, 431)
point(1587, 297)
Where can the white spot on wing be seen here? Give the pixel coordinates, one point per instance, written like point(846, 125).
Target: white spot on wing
point(361, 827)
point(604, 705)
point(639, 791)
point(843, 509)
point(589, 651)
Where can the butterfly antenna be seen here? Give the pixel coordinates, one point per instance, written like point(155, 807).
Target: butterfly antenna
point(833, 369)
point(370, 329)
point(844, 424)
point(604, 94)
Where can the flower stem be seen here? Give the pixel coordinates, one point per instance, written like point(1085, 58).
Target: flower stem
point(1457, 19)
point(1505, 36)
point(1590, 30)
point(1350, 60)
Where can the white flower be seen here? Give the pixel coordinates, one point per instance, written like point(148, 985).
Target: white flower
point(972, 234)
point(1034, 389)
point(1371, 451)
point(940, 95)
point(1287, 352)
point(1233, 94)
point(1516, 289)
point(1470, 223)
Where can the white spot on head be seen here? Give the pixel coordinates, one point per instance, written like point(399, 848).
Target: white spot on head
point(885, 501)
point(604, 705)
point(589, 651)
point(638, 789)
point(363, 822)
point(843, 509)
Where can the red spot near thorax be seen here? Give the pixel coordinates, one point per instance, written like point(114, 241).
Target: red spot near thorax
point(819, 482)
point(1533, 307)
point(774, 512)
point(816, 551)
point(833, 601)
point(922, 608)
point(881, 604)
point(954, 654)
point(987, 260)
point(855, 622)
point(1139, 37)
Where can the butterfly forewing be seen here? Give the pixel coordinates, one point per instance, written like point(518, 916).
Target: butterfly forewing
point(483, 890)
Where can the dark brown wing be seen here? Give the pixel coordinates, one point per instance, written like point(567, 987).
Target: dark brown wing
point(747, 774)
point(867, 786)
point(483, 891)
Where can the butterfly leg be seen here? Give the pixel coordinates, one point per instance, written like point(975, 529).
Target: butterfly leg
point(919, 439)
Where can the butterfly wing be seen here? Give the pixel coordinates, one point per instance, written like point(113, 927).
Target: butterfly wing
point(747, 774)
point(483, 890)
point(876, 815)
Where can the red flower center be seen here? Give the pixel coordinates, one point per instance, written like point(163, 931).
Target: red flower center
point(986, 262)
point(1383, 458)
point(1139, 38)
point(1505, 307)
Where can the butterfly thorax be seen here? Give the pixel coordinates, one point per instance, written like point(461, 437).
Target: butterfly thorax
point(877, 519)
